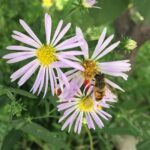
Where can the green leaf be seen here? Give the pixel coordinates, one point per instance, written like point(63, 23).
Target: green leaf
point(22, 93)
point(109, 12)
point(143, 7)
point(39, 132)
point(144, 145)
point(119, 131)
point(8, 91)
point(11, 139)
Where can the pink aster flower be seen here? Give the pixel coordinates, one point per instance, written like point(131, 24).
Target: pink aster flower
point(92, 64)
point(82, 108)
point(47, 58)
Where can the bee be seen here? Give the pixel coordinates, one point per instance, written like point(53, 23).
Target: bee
point(99, 86)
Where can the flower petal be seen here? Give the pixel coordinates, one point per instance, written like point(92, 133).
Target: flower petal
point(42, 80)
point(29, 31)
point(97, 120)
point(62, 33)
point(114, 85)
point(84, 46)
point(107, 50)
point(22, 35)
point(71, 63)
point(26, 41)
point(51, 81)
point(48, 27)
point(17, 54)
point(20, 48)
point(99, 43)
point(57, 31)
point(28, 74)
point(22, 70)
point(21, 58)
point(46, 82)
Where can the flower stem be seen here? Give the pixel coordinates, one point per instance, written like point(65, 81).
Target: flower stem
point(45, 116)
point(90, 138)
point(71, 12)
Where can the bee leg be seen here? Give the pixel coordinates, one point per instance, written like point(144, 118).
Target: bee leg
point(93, 80)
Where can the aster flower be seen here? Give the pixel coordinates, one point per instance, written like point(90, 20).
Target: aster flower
point(49, 58)
point(82, 108)
point(89, 4)
point(92, 65)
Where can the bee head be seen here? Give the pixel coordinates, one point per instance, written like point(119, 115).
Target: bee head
point(99, 76)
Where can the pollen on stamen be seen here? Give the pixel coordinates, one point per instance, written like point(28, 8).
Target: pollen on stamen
point(46, 55)
point(86, 104)
point(90, 69)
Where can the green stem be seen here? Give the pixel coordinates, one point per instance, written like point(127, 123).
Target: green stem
point(90, 138)
point(71, 12)
point(46, 116)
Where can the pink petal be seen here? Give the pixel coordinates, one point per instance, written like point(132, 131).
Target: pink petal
point(51, 81)
point(67, 42)
point(114, 85)
point(46, 83)
point(69, 46)
point(107, 50)
point(62, 33)
point(29, 31)
point(22, 70)
point(84, 46)
point(37, 81)
point(17, 54)
point(23, 36)
point(66, 113)
point(77, 122)
point(20, 58)
point(20, 48)
point(70, 119)
point(55, 81)
point(98, 46)
point(71, 63)
point(48, 27)
point(63, 77)
point(80, 123)
point(71, 53)
point(28, 74)
point(66, 105)
point(26, 41)
point(90, 121)
point(42, 80)
point(97, 120)
point(73, 119)
point(57, 31)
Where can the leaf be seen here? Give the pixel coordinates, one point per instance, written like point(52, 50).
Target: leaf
point(37, 131)
point(109, 12)
point(5, 90)
point(120, 131)
point(22, 93)
point(11, 139)
point(143, 7)
point(144, 145)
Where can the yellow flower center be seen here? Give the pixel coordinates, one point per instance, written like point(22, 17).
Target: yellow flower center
point(90, 69)
point(46, 55)
point(47, 3)
point(86, 104)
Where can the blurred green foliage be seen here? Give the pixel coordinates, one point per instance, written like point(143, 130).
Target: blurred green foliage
point(28, 122)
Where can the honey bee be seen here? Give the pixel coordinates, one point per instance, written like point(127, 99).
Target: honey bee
point(99, 86)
